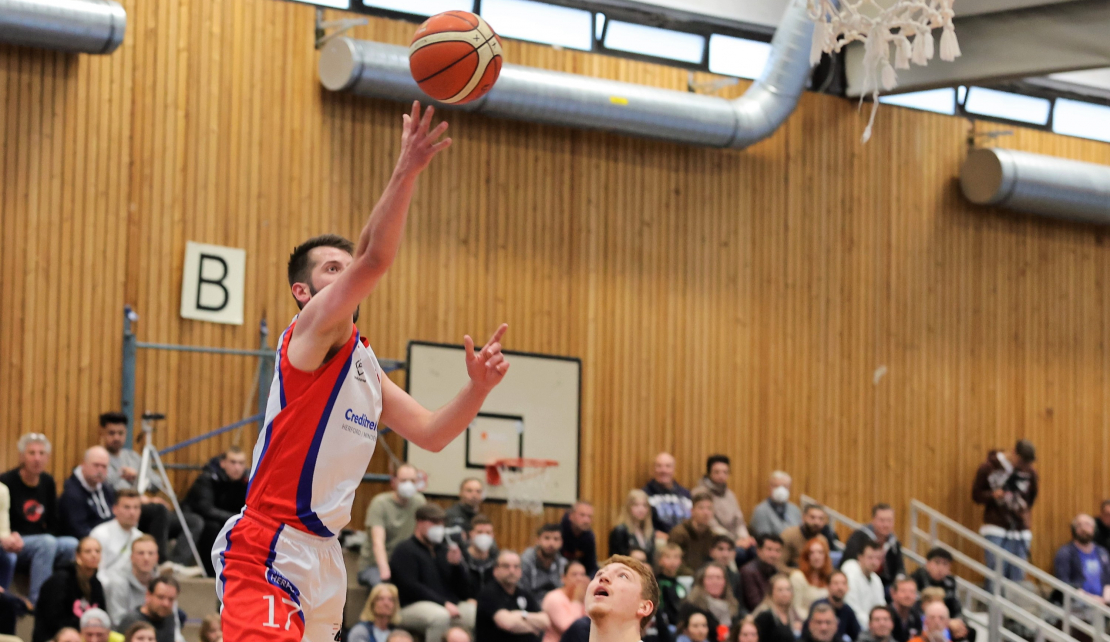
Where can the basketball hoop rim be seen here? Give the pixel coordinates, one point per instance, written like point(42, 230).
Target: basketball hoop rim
point(493, 469)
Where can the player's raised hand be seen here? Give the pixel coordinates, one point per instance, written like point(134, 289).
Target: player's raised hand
point(488, 366)
point(419, 142)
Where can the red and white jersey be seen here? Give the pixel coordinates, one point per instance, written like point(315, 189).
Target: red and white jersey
point(320, 431)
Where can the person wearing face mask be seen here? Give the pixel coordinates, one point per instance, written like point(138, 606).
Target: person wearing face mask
point(390, 520)
point(479, 555)
point(1082, 563)
point(777, 513)
point(430, 579)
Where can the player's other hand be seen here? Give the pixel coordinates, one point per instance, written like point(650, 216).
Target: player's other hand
point(419, 142)
point(488, 366)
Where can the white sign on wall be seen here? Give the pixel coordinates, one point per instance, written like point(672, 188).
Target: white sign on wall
point(212, 283)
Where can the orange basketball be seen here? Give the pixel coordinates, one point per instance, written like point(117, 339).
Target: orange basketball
point(455, 57)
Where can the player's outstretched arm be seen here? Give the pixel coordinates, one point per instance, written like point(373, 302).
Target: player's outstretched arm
point(325, 321)
point(434, 430)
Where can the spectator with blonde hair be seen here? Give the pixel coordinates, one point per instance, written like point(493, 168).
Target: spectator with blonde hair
point(144, 632)
point(775, 618)
point(712, 594)
point(811, 579)
point(380, 615)
point(634, 530)
point(210, 629)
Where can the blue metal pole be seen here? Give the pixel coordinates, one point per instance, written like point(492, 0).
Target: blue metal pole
point(127, 389)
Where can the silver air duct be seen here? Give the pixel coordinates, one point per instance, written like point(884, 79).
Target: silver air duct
point(1037, 184)
point(77, 26)
point(524, 93)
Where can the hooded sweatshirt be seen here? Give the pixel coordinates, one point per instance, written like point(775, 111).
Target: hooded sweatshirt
point(1008, 516)
point(84, 507)
point(727, 515)
point(669, 506)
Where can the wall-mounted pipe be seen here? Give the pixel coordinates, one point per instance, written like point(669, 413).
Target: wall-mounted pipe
point(524, 93)
point(1037, 184)
point(77, 26)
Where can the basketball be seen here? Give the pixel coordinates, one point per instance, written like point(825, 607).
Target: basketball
point(455, 57)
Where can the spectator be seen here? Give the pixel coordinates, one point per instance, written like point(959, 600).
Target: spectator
point(479, 555)
point(210, 629)
point(579, 542)
point(847, 628)
point(380, 615)
point(903, 609)
point(695, 628)
point(390, 520)
point(1006, 485)
point(578, 632)
point(400, 635)
point(143, 632)
point(696, 535)
point(69, 593)
point(670, 502)
point(472, 492)
point(125, 589)
point(33, 514)
point(123, 473)
point(727, 515)
point(936, 623)
point(937, 572)
point(775, 618)
point(507, 612)
point(712, 594)
point(634, 531)
point(794, 538)
point(865, 588)
point(959, 631)
point(86, 500)
point(116, 536)
point(744, 631)
point(724, 553)
point(95, 626)
point(777, 513)
point(218, 494)
point(543, 566)
point(1102, 525)
point(755, 576)
point(880, 626)
point(821, 626)
point(671, 592)
point(10, 543)
point(1082, 563)
point(67, 634)
point(880, 530)
point(456, 634)
point(565, 605)
point(433, 580)
point(158, 610)
point(811, 579)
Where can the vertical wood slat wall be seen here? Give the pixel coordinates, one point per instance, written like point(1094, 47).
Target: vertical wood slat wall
point(721, 301)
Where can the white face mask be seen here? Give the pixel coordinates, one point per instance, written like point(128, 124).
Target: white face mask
point(406, 490)
point(436, 533)
point(483, 542)
point(780, 494)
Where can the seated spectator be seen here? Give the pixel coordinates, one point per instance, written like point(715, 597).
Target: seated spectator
point(456, 634)
point(672, 593)
point(936, 623)
point(847, 628)
point(634, 530)
point(434, 578)
point(724, 553)
point(400, 635)
point(880, 626)
point(821, 626)
point(87, 500)
point(33, 514)
point(755, 576)
point(69, 593)
point(479, 555)
point(579, 542)
point(95, 626)
point(1102, 525)
point(937, 572)
point(390, 520)
point(744, 630)
point(695, 628)
point(865, 588)
point(880, 531)
point(712, 594)
point(903, 609)
point(811, 579)
point(1083, 564)
point(507, 612)
point(959, 631)
point(218, 494)
point(565, 605)
point(117, 535)
point(696, 535)
point(727, 515)
point(776, 513)
point(775, 617)
point(158, 610)
point(670, 502)
point(125, 589)
point(472, 492)
point(814, 522)
point(9, 542)
point(380, 615)
point(143, 632)
point(543, 566)
point(210, 629)
point(67, 634)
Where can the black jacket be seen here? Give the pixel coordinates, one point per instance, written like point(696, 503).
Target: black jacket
point(61, 603)
point(82, 509)
point(623, 542)
point(921, 576)
point(1102, 533)
point(427, 576)
point(479, 573)
point(847, 627)
point(214, 496)
point(893, 566)
point(579, 548)
point(33, 511)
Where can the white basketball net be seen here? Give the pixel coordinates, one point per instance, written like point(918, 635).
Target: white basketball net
point(904, 25)
point(525, 487)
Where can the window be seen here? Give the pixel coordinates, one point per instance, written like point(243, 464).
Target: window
point(1001, 104)
point(599, 26)
point(941, 101)
point(421, 7)
point(738, 57)
point(655, 42)
point(334, 4)
point(1087, 120)
point(538, 22)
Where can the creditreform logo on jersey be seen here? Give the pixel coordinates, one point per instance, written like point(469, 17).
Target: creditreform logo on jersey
point(359, 419)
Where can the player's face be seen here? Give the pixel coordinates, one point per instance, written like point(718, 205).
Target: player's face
point(112, 436)
point(127, 512)
point(234, 465)
point(144, 556)
point(616, 591)
point(34, 458)
point(881, 624)
point(327, 264)
point(160, 602)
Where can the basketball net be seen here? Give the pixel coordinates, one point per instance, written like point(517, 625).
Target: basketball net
point(524, 480)
point(904, 25)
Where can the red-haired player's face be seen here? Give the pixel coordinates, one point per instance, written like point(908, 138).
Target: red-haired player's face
point(616, 590)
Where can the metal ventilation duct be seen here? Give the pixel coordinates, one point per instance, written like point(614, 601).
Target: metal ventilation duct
point(78, 26)
point(382, 71)
point(1037, 184)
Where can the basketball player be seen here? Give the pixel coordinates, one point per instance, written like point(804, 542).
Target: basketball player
point(280, 568)
point(621, 600)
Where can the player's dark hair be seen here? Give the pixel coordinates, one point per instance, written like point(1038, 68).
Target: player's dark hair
point(767, 537)
point(168, 580)
point(716, 459)
point(549, 528)
point(112, 418)
point(125, 493)
point(300, 266)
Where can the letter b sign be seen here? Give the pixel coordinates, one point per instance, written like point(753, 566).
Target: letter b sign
point(212, 283)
